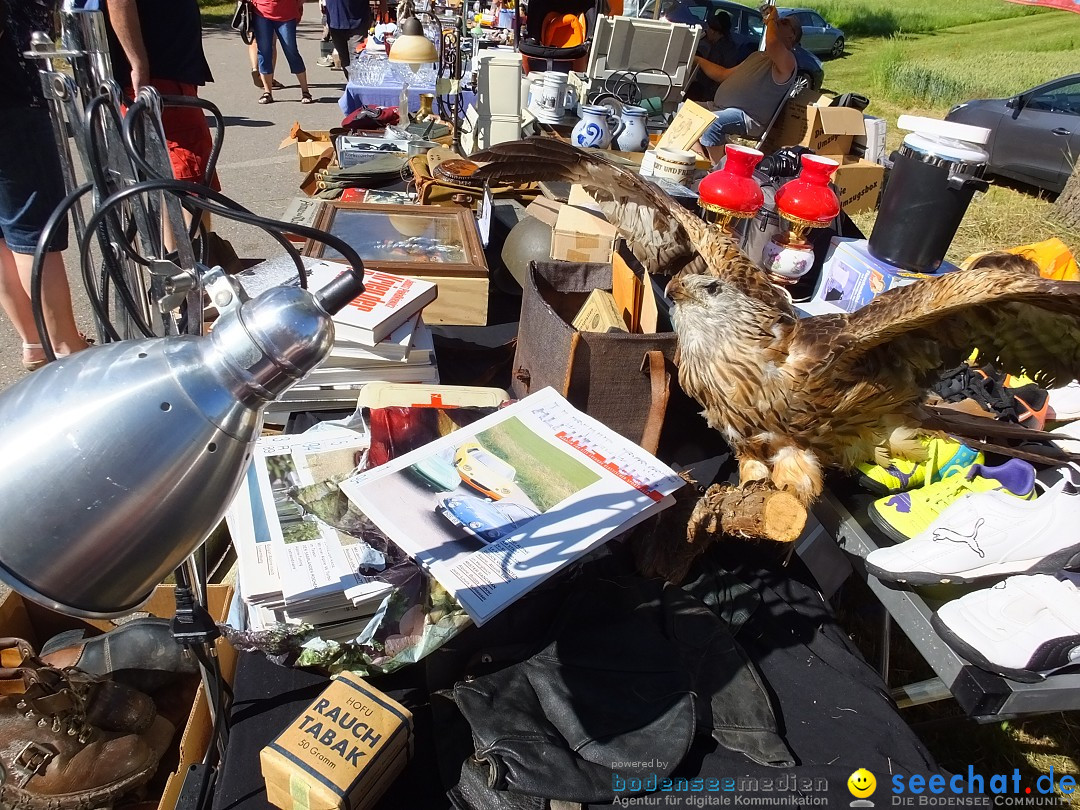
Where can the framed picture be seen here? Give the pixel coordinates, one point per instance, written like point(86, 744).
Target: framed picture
point(409, 240)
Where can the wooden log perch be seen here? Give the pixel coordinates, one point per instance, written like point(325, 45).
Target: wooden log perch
point(667, 545)
point(757, 511)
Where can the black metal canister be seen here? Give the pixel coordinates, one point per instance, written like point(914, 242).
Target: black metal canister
point(931, 184)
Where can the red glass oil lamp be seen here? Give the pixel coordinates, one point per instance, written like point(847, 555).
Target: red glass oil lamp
point(804, 203)
point(732, 193)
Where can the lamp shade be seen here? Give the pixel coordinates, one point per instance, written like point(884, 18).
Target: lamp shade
point(732, 190)
point(411, 46)
point(808, 201)
point(121, 459)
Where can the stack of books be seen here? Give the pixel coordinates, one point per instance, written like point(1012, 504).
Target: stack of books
point(380, 336)
point(294, 566)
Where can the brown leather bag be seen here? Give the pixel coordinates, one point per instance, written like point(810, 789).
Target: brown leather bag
point(621, 379)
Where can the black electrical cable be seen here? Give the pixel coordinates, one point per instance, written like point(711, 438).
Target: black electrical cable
point(231, 210)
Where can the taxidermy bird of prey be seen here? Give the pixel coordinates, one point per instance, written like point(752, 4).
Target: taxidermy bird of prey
point(792, 396)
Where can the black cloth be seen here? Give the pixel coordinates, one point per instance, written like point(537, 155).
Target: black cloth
point(20, 81)
point(172, 33)
point(637, 670)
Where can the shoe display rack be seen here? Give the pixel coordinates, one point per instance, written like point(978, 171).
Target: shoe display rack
point(984, 696)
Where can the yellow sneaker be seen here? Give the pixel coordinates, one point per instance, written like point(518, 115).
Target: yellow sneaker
point(944, 458)
point(905, 514)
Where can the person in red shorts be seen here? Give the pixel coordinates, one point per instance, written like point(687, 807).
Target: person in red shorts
point(158, 43)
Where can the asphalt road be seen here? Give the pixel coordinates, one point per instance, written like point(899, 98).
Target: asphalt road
point(251, 168)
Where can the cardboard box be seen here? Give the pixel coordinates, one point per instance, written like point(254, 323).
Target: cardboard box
point(851, 277)
point(309, 152)
point(310, 145)
point(341, 752)
point(825, 129)
point(24, 619)
point(353, 150)
point(858, 183)
point(582, 236)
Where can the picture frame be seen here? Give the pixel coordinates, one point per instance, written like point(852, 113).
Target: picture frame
point(407, 240)
point(434, 243)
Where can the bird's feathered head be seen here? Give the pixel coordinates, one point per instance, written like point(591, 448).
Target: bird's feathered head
point(703, 291)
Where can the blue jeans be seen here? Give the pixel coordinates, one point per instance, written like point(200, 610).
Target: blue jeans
point(729, 121)
point(31, 181)
point(265, 31)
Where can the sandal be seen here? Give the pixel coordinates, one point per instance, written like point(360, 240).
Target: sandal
point(266, 98)
point(32, 365)
point(305, 98)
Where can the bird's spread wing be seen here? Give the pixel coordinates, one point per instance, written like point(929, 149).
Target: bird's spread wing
point(1019, 321)
point(662, 235)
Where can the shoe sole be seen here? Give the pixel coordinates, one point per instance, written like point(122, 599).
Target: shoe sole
point(874, 486)
point(887, 528)
point(1051, 564)
point(973, 656)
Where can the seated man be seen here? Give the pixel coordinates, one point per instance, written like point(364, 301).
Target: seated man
point(750, 93)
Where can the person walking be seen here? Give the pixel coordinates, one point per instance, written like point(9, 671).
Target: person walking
point(31, 187)
point(159, 44)
point(279, 18)
point(346, 19)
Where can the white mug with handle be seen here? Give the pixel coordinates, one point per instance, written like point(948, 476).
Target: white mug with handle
point(556, 96)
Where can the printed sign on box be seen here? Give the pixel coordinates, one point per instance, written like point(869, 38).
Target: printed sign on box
point(858, 183)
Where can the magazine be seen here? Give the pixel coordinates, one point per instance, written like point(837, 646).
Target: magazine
point(497, 507)
point(319, 565)
point(257, 576)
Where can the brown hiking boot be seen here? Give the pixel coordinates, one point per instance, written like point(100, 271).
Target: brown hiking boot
point(46, 690)
point(142, 654)
point(52, 757)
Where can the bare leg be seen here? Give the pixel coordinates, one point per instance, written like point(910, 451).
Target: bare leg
point(15, 269)
point(16, 303)
point(302, 78)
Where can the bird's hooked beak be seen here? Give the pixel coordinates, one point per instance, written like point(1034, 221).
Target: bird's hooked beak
point(674, 289)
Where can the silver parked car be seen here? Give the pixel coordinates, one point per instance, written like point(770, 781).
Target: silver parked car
point(817, 35)
point(1035, 136)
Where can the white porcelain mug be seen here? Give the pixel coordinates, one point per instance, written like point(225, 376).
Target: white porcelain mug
point(536, 89)
point(556, 96)
point(675, 165)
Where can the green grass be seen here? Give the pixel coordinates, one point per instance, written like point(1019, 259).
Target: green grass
point(545, 473)
point(216, 13)
point(860, 18)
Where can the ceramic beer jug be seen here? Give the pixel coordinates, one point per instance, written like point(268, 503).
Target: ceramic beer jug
point(634, 136)
point(595, 127)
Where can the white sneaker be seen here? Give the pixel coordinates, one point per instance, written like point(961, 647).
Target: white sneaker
point(989, 534)
point(1064, 402)
point(1025, 628)
point(325, 61)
